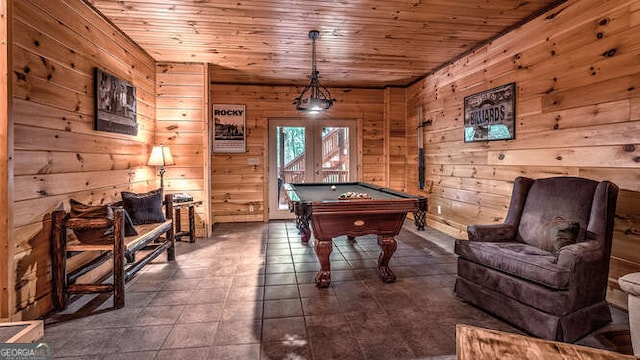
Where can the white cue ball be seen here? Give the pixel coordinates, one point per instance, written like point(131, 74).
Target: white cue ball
point(333, 187)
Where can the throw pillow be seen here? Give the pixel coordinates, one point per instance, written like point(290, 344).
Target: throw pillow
point(145, 208)
point(92, 235)
point(563, 232)
point(102, 235)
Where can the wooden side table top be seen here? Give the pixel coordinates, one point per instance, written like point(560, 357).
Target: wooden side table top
point(184, 204)
point(474, 343)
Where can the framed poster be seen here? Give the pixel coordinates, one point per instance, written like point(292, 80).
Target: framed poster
point(490, 115)
point(115, 104)
point(229, 132)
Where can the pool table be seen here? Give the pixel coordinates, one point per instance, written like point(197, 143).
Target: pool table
point(382, 214)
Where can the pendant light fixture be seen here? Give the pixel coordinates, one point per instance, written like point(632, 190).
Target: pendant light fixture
point(314, 97)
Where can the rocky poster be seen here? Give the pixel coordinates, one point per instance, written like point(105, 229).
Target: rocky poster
point(229, 131)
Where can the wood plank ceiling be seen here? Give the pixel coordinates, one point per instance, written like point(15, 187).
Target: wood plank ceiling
point(363, 43)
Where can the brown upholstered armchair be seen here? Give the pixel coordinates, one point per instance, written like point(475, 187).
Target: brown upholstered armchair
point(545, 268)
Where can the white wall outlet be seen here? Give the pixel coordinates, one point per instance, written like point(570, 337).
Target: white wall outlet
point(439, 209)
point(251, 208)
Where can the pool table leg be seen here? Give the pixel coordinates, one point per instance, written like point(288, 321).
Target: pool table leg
point(420, 219)
point(306, 235)
point(303, 226)
point(388, 245)
point(323, 250)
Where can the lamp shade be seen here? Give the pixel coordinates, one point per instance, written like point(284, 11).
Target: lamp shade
point(160, 156)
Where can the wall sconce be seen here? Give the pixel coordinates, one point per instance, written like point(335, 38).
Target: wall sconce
point(161, 156)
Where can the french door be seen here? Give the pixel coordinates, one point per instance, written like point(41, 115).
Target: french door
point(304, 151)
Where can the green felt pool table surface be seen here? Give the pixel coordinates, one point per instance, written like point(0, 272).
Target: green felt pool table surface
point(315, 192)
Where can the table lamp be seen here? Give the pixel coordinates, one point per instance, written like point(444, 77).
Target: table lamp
point(161, 156)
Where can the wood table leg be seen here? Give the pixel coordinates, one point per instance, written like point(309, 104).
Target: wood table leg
point(192, 224)
point(323, 250)
point(305, 230)
point(177, 220)
point(388, 245)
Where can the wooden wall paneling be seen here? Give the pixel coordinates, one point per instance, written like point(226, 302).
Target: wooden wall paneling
point(625, 178)
point(596, 114)
point(44, 162)
point(181, 110)
point(627, 229)
point(90, 26)
point(38, 186)
point(505, 173)
point(58, 155)
point(576, 73)
point(395, 124)
point(34, 210)
point(6, 164)
point(600, 156)
point(207, 145)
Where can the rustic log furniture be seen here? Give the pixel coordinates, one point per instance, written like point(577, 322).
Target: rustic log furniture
point(190, 206)
point(151, 241)
point(545, 269)
point(383, 215)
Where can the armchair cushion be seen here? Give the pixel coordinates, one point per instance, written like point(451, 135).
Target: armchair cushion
point(519, 259)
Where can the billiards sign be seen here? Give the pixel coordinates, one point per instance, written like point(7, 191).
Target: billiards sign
point(490, 115)
point(229, 132)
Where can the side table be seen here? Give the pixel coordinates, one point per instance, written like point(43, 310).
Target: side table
point(191, 232)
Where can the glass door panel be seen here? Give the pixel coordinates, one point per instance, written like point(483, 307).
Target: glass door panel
point(335, 154)
point(291, 162)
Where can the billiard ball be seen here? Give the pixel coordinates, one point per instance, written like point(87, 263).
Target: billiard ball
point(333, 187)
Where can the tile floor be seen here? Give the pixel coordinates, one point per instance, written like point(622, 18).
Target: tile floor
point(248, 292)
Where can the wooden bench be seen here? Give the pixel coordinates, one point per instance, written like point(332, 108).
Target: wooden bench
point(152, 239)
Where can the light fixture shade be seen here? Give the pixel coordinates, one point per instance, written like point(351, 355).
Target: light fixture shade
point(160, 156)
point(314, 97)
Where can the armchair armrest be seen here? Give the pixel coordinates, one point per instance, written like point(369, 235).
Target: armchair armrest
point(491, 233)
point(585, 251)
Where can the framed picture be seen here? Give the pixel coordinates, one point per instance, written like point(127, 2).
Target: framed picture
point(229, 132)
point(115, 104)
point(490, 115)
